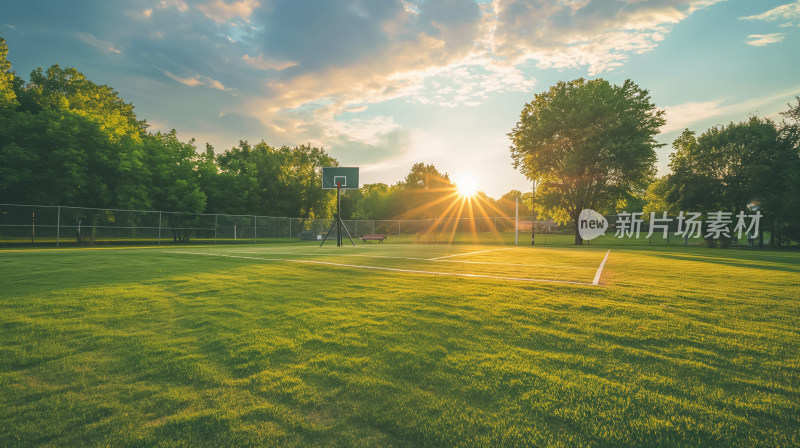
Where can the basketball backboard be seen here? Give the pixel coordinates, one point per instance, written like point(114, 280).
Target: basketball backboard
point(346, 176)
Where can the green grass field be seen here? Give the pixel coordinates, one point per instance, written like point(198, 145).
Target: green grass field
point(399, 345)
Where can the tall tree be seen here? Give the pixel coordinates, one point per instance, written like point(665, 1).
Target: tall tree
point(734, 168)
point(588, 144)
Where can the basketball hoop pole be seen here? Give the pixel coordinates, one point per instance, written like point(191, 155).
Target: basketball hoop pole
point(338, 214)
point(338, 221)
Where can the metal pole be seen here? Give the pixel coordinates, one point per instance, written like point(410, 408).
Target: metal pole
point(159, 228)
point(338, 215)
point(255, 228)
point(533, 214)
point(290, 228)
point(58, 227)
point(215, 228)
point(33, 227)
point(516, 221)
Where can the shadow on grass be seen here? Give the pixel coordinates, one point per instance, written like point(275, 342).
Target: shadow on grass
point(767, 260)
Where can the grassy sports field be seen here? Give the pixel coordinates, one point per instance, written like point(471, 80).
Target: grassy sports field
point(399, 345)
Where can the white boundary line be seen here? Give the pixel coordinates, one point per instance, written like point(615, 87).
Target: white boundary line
point(377, 268)
point(516, 264)
point(596, 281)
point(469, 253)
point(425, 259)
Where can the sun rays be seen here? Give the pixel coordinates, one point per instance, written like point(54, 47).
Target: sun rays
point(467, 185)
point(459, 210)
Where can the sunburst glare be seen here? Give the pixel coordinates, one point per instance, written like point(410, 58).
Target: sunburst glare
point(467, 185)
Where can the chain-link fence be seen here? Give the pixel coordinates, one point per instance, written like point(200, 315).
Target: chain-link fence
point(63, 225)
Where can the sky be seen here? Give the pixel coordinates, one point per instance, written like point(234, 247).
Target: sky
point(384, 84)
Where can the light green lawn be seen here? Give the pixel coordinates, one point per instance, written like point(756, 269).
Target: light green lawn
point(678, 346)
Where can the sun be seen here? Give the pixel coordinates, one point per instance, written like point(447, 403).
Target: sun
point(467, 185)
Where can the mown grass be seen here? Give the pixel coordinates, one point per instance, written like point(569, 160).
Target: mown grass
point(682, 346)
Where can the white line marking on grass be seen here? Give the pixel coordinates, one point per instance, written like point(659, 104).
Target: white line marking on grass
point(332, 255)
point(469, 253)
point(384, 256)
point(516, 264)
point(378, 268)
point(290, 254)
point(600, 269)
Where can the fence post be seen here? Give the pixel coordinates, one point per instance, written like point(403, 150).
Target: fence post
point(290, 228)
point(159, 228)
point(58, 227)
point(215, 228)
point(516, 221)
point(255, 229)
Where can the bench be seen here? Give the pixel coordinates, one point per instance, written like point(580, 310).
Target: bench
point(373, 237)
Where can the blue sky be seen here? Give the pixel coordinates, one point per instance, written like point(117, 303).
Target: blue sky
point(385, 84)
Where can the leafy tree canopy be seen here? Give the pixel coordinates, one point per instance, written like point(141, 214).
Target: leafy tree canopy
point(68, 89)
point(736, 168)
point(589, 144)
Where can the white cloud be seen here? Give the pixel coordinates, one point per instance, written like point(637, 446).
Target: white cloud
point(685, 115)
point(221, 11)
point(89, 39)
point(198, 80)
point(366, 130)
point(267, 64)
point(461, 63)
point(572, 34)
point(147, 13)
point(762, 40)
point(789, 14)
point(180, 5)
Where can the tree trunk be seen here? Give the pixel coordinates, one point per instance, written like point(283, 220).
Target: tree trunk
point(575, 216)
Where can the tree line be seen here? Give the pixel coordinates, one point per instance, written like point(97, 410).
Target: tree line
point(68, 141)
point(65, 140)
point(590, 144)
